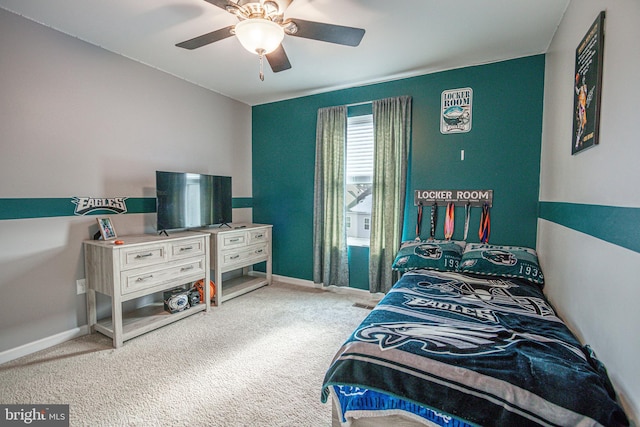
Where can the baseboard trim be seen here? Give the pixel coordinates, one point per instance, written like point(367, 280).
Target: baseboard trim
point(358, 293)
point(353, 292)
point(296, 281)
point(42, 344)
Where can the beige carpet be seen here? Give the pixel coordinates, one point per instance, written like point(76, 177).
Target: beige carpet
point(257, 360)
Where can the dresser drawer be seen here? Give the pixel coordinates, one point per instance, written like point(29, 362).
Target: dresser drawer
point(233, 257)
point(136, 256)
point(233, 240)
point(148, 277)
point(187, 248)
point(257, 252)
point(258, 236)
point(244, 255)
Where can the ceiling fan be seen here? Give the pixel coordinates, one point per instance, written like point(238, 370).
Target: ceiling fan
point(262, 27)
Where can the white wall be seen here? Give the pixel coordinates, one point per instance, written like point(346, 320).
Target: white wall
point(594, 284)
point(77, 120)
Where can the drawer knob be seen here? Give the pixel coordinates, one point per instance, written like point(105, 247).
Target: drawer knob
point(234, 240)
point(189, 267)
point(234, 257)
point(144, 255)
point(187, 248)
point(259, 236)
point(143, 278)
point(259, 251)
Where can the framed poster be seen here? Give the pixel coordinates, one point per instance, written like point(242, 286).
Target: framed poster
point(588, 87)
point(455, 111)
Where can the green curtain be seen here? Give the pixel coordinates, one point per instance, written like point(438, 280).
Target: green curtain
point(330, 261)
point(391, 135)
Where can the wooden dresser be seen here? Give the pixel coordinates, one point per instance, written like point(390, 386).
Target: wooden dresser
point(236, 249)
point(143, 265)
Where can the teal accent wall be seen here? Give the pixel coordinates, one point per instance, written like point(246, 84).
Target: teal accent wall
point(616, 225)
point(358, 267)
point(52, 207)
point(502, 153)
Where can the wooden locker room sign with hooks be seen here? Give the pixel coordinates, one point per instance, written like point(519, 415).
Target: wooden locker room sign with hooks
point(476, 198)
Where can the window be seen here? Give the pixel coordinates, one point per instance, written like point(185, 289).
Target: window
point(359, 179)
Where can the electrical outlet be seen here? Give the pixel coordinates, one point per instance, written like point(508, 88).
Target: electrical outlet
point(81, 286)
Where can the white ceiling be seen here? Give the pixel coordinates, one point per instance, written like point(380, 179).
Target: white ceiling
point(403, 38)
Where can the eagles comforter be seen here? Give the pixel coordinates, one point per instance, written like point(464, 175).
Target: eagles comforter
point(457, 349)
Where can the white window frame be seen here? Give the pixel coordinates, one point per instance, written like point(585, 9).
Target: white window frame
point(359, 167)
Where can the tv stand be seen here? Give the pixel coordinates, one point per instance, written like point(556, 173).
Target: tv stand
point(142, 266)
point(236, 250)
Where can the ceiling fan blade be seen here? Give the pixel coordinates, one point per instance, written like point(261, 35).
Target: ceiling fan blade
point(278, 60)
point(331, 33)
point(206, 39)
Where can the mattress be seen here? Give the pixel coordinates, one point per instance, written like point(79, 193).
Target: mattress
point(449, 348)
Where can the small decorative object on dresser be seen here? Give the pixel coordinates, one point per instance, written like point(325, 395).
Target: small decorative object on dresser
point(235, 250)
point(106, 228)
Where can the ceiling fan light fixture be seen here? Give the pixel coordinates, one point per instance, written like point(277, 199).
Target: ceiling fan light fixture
point(259, 36)
point(270, 8)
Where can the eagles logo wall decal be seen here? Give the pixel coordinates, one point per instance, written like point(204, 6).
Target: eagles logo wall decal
point(87, 205)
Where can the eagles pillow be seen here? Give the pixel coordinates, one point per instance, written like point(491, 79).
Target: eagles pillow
point(501, 261)
point(442, 255)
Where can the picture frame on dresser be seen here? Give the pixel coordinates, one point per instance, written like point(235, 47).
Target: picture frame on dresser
point(107, 230)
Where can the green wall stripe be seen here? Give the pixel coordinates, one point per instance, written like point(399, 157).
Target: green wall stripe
point(242, 202)
point(52, 207)
point(617, 225)
point(34, 208)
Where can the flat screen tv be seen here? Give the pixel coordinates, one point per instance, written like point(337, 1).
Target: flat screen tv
point(191, 200)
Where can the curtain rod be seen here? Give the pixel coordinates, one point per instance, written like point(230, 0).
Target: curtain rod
point(358, 103)
point(355, 104)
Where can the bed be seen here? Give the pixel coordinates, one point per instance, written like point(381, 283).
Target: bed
point(466, 337)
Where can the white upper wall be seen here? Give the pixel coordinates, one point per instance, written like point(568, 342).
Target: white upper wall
point(80, 111)
point(607, 174)
point(595, 285)
point(77, 120)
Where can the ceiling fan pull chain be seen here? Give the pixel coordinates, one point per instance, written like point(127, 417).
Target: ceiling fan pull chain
point(261, 56)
